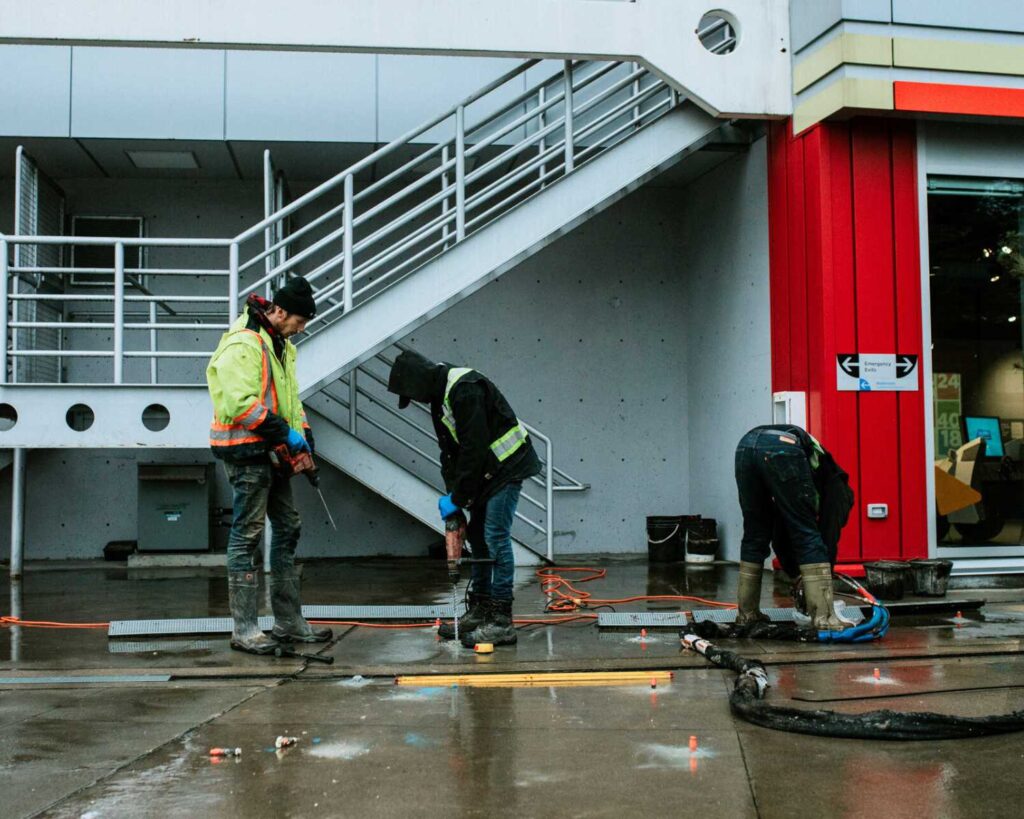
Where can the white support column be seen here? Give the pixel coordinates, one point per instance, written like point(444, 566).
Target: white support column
point(18, 512)
point(119, 313)
point(5, 285)
point(348, 246)
point(232, 282)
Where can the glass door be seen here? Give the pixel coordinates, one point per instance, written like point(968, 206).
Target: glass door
point(976, 282)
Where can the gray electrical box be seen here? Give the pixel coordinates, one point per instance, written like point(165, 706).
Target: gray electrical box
point(175, 503)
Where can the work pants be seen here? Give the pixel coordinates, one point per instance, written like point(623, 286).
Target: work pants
point(490, 535)
point(260, 493)
point(775, 485)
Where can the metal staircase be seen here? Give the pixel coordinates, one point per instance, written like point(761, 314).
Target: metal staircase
point(389, 244)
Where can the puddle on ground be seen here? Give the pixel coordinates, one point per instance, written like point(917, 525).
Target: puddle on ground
point(670, 756)
point(341, 749)
point(400, 694)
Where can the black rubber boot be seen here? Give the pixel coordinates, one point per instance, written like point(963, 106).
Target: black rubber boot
point(473, 618)
point(497, 628)
point(243, 598)
point(289, 624)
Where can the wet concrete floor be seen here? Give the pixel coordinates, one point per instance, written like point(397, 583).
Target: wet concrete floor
point(368, 747)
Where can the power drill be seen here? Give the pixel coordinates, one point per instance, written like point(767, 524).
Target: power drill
point(302, 462)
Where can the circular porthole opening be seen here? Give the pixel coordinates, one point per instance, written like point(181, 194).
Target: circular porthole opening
point(8, 417)
point(80, 417)
point(155, 417)
point(718, 32)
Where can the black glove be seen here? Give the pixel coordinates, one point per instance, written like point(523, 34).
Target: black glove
point(309, 439)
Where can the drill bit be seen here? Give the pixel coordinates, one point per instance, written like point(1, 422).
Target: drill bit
point(326, 509)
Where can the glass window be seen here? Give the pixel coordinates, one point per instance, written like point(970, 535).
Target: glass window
point(977, 272)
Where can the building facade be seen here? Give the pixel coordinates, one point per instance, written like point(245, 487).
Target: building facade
point(792, 209)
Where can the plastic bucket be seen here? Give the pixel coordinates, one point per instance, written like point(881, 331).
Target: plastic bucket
point(701, 540)
point(931, 576)
point(664, 539)
point(886, 579)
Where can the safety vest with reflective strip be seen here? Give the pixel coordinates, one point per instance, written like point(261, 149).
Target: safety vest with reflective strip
point(505, 446)
point(232, 428)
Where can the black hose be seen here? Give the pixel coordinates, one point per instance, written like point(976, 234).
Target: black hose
point(747, 702)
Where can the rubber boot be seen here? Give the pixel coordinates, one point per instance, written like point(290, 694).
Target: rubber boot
point(817, 583)
point(473, 618)
point(497, 627)
point(244, 600)
point(289, 624)
point(748, 595)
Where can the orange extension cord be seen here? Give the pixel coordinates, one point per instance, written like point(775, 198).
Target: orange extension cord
point(563, 595)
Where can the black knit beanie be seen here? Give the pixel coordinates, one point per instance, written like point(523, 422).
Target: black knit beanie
point(296, 297)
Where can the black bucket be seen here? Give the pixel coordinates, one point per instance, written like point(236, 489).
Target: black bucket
point(886, 579)
point(931, 576)
point(701, 541)
point(665, 539)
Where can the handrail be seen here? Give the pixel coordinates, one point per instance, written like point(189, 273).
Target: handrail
point(367, 161)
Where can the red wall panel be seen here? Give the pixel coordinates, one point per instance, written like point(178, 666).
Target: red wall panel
point(845, 277)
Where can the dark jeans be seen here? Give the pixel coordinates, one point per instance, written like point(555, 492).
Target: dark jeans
point(261, 493)
point(775, 486)
point(490, 535)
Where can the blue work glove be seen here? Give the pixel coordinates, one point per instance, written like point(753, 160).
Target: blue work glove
point(446, 507)
point(296, 442)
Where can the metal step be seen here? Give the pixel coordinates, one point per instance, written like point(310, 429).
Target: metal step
point(776, 615)
point(641, 619)
point(223, 625)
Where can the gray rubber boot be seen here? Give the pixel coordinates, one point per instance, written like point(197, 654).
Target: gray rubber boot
point(473, 618)
point(289, 624)
point(817, 582)
point(244, 600)
point(748, 595)
point(497, 627)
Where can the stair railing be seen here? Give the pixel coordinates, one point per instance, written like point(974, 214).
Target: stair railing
point(366, 405)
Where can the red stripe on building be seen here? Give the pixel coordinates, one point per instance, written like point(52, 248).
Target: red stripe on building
point(845, 277)
point(977, 100)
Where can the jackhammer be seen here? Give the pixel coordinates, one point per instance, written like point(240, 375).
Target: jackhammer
point(454, 542)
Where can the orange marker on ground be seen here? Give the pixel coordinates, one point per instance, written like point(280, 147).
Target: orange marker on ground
point(878, 674)
point(693, 744)
point(225, 752)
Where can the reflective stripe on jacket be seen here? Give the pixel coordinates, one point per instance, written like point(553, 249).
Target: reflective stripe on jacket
point(246, 382)
point(505, 446)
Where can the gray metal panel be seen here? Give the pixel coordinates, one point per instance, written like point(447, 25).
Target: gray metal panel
point(641, 619)
point(111, 679)
point(148, 93)
point(35, 95)
point(428, 87)
point(223, 625)
point(148, 646)
point(809, 19)
point(991, 15)
point(303, 97)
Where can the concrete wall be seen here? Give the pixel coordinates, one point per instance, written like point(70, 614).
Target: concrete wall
point(725, 243)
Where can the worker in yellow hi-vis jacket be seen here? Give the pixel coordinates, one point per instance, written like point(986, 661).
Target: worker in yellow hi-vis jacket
point(256, 407)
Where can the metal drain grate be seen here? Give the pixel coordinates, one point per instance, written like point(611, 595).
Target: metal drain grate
point(776, 615)
point(223, 625)
point(641, 619)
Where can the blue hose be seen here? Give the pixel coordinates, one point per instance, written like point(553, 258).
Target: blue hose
point(874, 628)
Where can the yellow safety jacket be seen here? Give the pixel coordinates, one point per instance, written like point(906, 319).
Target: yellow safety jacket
point(247, 382)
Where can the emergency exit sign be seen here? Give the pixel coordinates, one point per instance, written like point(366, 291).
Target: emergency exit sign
point(876, 372)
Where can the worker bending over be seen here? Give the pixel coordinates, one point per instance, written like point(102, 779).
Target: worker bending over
point(486, 455)
point(256, 407)
point(795, 497)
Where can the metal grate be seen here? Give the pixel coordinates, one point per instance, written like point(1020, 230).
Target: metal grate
point(149, 646)
point(641, 619)
point(223, 625)
point(776, 615)
point(108, 679)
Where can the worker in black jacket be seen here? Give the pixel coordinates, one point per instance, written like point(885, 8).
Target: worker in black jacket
point(486, 454)
point(795, 497)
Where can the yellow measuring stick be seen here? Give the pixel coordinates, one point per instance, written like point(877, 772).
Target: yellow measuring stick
point(541, 679)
